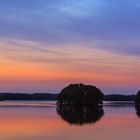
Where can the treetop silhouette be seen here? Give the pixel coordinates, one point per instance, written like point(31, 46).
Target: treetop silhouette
point(80, 94)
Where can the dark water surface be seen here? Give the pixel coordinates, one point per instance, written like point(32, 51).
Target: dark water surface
point(30, 120)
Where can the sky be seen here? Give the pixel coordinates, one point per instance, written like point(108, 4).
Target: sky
point(48, 44)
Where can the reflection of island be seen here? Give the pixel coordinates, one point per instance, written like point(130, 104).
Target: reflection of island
point(137, 107)
point(80, 115)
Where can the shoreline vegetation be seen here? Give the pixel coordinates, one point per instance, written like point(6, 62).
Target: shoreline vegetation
point(51, 96)
point(79, 92)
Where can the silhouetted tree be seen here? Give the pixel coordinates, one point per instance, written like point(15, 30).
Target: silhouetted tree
point(80, 115)
point(137, 104)
point(80, 94)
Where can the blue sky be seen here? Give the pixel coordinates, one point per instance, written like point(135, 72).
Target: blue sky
point(105, 25)
point(114, 23)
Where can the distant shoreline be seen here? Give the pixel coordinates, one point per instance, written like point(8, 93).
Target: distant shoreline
point(50, 96)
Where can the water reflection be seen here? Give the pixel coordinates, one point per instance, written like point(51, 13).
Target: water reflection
point(137, 108)
point(42, 123)
point(119, 104)
point(80, 114)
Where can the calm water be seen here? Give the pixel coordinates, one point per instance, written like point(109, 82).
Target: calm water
point(41, 121)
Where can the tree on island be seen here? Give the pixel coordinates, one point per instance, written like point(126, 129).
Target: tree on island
point(80, 94)
point(137, 103)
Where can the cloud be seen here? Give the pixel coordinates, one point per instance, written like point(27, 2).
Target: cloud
point(23, 61)
point(70, 56)
point(113, 24)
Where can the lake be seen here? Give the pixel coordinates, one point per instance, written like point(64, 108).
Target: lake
point(33, 120)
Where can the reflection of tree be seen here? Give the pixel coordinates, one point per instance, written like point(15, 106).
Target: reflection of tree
point(80, 115)
point(137, 107)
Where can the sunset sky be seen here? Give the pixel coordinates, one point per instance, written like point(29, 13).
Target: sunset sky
point(47, 44)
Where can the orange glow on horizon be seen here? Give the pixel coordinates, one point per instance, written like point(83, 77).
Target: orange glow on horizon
point(62, 64)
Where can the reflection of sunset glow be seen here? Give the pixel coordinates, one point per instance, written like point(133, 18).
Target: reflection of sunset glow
point(43, 123)
point(22, 123)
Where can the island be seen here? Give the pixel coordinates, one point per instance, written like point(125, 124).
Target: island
point(80, 94)
point(80, 104)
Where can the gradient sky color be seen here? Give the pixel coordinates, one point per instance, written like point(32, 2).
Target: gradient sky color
point(47, 44)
